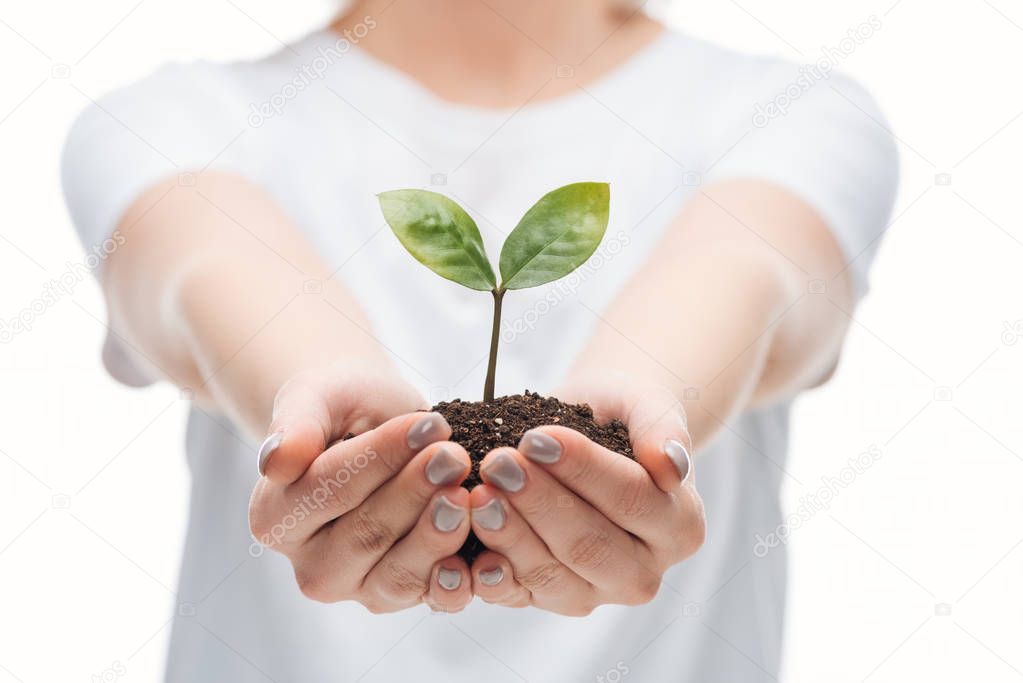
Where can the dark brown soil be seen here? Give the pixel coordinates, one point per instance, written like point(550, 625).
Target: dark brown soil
point(481, 427)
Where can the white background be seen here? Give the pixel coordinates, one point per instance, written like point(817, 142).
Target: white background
point(914, 573)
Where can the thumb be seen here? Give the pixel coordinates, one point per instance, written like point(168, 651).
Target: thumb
point(654, 417)
point(300, 430)
point(660, 439)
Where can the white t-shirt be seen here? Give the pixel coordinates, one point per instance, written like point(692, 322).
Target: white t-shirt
point(323, 127)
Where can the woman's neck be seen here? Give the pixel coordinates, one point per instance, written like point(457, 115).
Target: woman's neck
point(500, 53)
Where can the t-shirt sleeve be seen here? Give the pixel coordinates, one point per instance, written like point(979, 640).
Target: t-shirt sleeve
point(173, 124)
point(827, 143)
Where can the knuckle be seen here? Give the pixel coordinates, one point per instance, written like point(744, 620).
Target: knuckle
point(582, 609)
point(584, 471)
point(509, 537)
point(634, 500)
point(543, 577)
point(261, 522)
point(446, 608)
point(393, 457)
point(259, 525)
point(419, 495)
point(400, 585)
point(535, 507)
point(692, 536)
point(438, 544)
point(502, 601)
point(369, 535)
point(330, 494)
point(375, 606)
point(644, 587)
point(456, 607)
point(505, 598)
point(391, 443)
point(696, 536)
point(591, 551)
point(271, 534)
point(314, 585)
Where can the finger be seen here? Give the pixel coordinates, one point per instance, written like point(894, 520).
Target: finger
point(402, 576)
point(660, 439)
point(283, 517)
point(450, 586)
point(365, 532)
point(551, 584)
point(363, 535)
point(348, 472)
point(300, 430)
point(577, 534)
point(314, 410)
point(618, 487)
point(656, 422)
point(494, 581)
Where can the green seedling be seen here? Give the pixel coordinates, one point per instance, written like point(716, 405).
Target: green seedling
point(555, 237)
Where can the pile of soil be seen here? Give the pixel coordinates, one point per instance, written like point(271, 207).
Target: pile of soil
point(481, 427)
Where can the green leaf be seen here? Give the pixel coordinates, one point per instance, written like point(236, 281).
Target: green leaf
point(440, 235)
point(556, 235)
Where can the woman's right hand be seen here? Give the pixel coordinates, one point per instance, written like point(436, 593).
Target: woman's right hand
point(376, 518)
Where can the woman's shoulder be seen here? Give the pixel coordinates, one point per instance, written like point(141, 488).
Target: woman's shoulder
point(183, 113)
point(735, 74)
point(800, 125)
point(171, 117)
point(738, 92)
point(203, 92)
point(178, 120)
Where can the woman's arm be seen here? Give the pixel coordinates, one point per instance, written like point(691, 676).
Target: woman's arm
point(212, 286)
point(226, 297)
point(723, 306)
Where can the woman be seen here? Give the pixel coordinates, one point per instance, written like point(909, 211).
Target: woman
point(257, 274)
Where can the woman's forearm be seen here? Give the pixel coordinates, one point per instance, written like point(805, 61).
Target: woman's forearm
point(221, 294)
point(709, 344)
point(722, 313)
point(248, 329)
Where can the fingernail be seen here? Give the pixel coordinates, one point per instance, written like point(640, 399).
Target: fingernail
point(679, 457)
point(491, 577)
point(430, 428)
point(503, 472)
point(449, 579)
point(539, 447)
point(270, 445)
point(489, 516)
point(447, 517)
point(444, 468)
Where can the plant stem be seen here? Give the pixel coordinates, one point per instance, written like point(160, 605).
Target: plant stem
point(495, 337)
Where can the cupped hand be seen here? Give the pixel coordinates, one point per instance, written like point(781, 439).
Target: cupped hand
point(571, 525)
point(376, 518)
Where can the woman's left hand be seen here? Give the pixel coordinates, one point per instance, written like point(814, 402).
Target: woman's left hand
point(571, 525)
